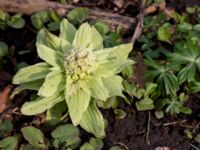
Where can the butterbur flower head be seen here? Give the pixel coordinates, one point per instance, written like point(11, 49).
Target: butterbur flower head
point(77, 70)
point(79, 63)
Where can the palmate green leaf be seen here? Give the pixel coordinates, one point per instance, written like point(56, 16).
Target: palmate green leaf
point(151, 63)
point(187, 73)
point(67, 31)
point(49, 55)
point(54, 82)
point(113, 85)
point(40, 105)
point(34, 136)
point(195, 86)
point(92, 121)
point(168, 83)
point(111, 68)
point(97, 88)
point(48, 39)
point(9, 143)
point(31, 73)
point(87, 37)
point(77, 105)
point(119, 53)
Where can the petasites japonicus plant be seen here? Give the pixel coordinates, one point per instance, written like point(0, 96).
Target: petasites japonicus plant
point(78, 70)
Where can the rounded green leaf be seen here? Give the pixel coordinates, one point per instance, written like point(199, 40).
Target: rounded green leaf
point(3, 49)
point(31, 73)
point(34, 136)
point(9, 143)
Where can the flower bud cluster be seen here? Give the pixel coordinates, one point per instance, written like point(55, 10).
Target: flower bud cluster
point(79, 63)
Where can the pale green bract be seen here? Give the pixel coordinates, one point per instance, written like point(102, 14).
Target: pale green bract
point(77, 69)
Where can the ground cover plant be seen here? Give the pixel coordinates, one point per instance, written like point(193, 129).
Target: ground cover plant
point(72, 82)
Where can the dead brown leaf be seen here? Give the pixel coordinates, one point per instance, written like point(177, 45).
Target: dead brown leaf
point(4, 98)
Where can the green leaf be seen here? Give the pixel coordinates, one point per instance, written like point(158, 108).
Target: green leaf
point(34, 85)
point(31, 73)
point(16, 21)
point(184, 27)
point(93, 122)
point(144, 104)
point(78, 15)
point(150, 88)
point(49, 55)
point(102, 27)
point(97, 88)
point(40, 105)
point(3, 49)
point(54, 82)
point(113, 85)
point(185, 110)
point(87, 37)
point(96, 40)
point(159, 114)
point(48, 39)
point(118, 53)
point(38, 19)
point(187, 73)
point(196, 27)
point(53, 26)
point(163, 32)
point(34, 136)
point(197, 138)
point(5, 126)
point(77, 105)
point(82, 37)
point(67, 31)
point(57, 113)
point(195, 86)
point(9, 143)
point(130, 87)
point(111, 68)
point(4, 16)
point(120, 114)
point(93, 144)
point(66, 134)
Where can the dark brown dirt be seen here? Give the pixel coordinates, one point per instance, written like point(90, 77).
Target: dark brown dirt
point(131, 132)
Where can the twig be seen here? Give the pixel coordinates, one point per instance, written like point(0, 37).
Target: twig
point(148, 127)
point(138, 29)
point(29, 7)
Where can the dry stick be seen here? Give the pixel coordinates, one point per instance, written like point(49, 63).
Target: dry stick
point(138, 29)
point(29, 7)
point(148, 127)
